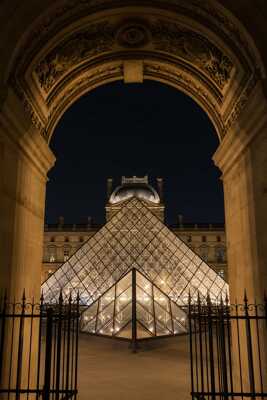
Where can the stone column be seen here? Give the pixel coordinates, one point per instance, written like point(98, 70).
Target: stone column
point(25, 159)
point(242, 158)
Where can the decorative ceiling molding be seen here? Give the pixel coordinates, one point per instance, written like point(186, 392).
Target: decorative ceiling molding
point(159, 35)
point(65, 44)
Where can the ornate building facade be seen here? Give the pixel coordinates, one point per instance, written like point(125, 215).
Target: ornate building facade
point(62, 240)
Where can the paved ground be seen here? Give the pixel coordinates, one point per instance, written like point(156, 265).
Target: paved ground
point(108, 370)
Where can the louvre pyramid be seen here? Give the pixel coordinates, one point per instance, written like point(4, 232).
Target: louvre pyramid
point(135, 238)
point(134, 309)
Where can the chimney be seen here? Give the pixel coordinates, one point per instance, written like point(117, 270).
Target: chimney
point(160, 188)
point(89, 222)
point(109, 187)
point(180, 219)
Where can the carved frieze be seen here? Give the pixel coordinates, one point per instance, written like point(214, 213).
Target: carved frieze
point(171, 38)
point(241, 102)
point(161, 35)
point(96, 39)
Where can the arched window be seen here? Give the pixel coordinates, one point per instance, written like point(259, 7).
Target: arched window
point(220, 254)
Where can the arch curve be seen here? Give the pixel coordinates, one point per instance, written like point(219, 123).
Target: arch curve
point(197, 48)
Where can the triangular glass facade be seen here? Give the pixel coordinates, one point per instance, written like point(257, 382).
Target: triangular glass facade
point(135, 238)
point(134, 309)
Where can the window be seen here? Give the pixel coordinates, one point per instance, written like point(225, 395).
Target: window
point(66, 253)
point(66, 239)
point(52, 239)
point(218, 238)
point(189, 238)
point(220, 254)
point(81, 239)
point(52, 253)
point(204, 252)
point(204, 239)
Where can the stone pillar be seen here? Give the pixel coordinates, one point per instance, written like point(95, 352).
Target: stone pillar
point(242, 158)
point(25, 159)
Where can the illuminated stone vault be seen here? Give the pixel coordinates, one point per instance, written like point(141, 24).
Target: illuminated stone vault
point(134, 238)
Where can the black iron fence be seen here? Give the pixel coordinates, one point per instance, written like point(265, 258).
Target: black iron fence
point(228, 350)
point(39, 349)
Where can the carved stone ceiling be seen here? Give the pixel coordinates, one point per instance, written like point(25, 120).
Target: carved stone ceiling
point(189, 44)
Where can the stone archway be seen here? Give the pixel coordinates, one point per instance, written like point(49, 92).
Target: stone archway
point(70, 48)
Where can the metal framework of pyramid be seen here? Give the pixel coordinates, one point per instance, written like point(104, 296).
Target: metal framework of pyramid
point(134, 309)
point(135, 238)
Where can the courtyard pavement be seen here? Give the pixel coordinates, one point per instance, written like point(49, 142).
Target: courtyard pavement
point(108, 370)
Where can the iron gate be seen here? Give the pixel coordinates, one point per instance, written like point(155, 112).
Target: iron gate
point(228, 350)
point(39, 348)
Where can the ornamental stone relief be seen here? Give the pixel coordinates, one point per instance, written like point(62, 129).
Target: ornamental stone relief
point(193, 47)
point(96, 39)
point(160, 35)
point(133, 34)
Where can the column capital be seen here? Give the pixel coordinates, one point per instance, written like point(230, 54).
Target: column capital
point(17, 131)
point(251, 123)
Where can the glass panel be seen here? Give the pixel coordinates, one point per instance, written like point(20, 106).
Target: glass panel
point(144, 316)
point(105, 315)
point(134, 237)
point(142, 332)
point(123, 316)
point(126, 332)
point(143, 283)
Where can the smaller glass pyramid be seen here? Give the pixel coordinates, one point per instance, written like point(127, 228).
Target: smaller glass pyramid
point(134, 309)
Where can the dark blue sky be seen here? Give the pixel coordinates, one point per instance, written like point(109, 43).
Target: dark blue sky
point(134, 129)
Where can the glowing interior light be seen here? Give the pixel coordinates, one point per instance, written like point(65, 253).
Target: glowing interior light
point(101, 331)
point(86, 318)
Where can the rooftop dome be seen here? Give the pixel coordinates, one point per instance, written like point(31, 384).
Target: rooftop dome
point(142, 191)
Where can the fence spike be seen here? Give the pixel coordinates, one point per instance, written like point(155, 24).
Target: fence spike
point(70, 297)
point(60, 298)
point(221, 300)
point(227, 300)
point(208, 297)
point(42, 297)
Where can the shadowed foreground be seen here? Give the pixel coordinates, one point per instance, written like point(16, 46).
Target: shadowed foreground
point(109, 370)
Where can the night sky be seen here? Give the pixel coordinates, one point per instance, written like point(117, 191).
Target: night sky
point(134, 129)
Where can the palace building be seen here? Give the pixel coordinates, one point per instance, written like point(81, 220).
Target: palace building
point(62, 240)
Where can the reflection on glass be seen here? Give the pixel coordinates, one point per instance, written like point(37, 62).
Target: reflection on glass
point(134, 307)
point(134, 238)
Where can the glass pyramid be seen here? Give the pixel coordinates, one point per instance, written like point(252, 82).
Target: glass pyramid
point(135, 238)
point(134, 309)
